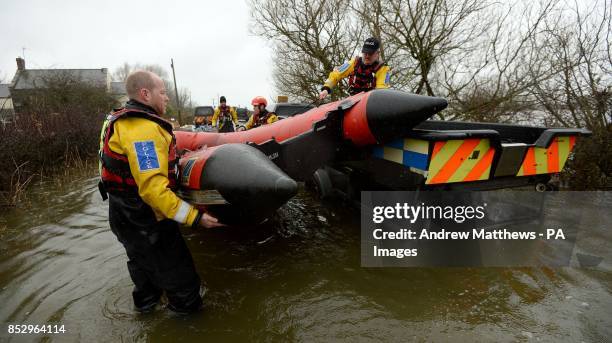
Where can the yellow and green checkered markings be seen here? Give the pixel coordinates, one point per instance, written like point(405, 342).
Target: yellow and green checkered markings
point(547, 160)
point(465, 160)
point(450, 161)
point(409, 152)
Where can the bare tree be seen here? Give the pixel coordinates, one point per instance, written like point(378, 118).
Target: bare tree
point(493, 61)
point(309, 38)
point(427, 31)
point(576, 57)
point(122, 72)
point(426, 43)
point(491, 83)
point(184, 96)
point(184, 100)
point(578, 89)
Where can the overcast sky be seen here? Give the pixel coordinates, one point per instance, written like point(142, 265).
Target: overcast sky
point(214, 53)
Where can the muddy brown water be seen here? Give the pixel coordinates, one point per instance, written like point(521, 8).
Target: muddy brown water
point(297, 278)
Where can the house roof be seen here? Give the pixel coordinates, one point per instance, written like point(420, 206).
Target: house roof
point(36, 78)
point(4, 91)
point(118, 87)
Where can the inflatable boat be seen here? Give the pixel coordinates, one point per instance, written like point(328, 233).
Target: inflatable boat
point(379, 140)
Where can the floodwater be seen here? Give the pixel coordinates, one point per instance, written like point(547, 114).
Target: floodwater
point(297, 278)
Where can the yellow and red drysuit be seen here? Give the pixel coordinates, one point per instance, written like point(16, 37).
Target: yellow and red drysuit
point(362, 77)
point(263, 118)
point(226, 113)
point(139, 174)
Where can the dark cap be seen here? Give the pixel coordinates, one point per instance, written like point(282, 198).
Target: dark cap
point(371, 45)
point(222, 99)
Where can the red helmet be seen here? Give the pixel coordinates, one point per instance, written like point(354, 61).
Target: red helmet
point(259, 100)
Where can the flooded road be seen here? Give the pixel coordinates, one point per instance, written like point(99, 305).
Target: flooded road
point(297, 278)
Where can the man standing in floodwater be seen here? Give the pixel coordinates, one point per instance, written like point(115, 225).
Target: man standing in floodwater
point(365, 73)
point(139, 168)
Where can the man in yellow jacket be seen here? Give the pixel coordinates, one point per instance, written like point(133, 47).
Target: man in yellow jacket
point(139, 174)
point(225, 116)
point(260, 115)
point(365, 73)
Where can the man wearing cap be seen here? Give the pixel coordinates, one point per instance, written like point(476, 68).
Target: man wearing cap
point(225, 116)
point(365, 73)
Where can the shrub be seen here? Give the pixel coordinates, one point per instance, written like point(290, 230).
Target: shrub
point(58, 125)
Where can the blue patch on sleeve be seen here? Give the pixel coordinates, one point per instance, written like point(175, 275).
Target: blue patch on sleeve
point(146, 155)
point(387, 78)
point(343, 67)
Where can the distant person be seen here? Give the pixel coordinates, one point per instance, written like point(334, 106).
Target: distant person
point(225, 116)
point(199, 123)
point(139, 176)
point(365, 73)
point(260, 115)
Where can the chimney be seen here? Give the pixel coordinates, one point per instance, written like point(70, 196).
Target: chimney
point(20, 63)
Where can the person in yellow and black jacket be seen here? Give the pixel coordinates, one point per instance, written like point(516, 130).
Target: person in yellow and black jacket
point(365, 73)
point(139, 167)
point(225, 116)
point(260, 115)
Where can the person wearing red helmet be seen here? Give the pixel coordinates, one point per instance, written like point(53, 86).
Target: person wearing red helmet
point(260, 115)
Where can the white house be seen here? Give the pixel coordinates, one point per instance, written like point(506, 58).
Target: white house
point(6, 103)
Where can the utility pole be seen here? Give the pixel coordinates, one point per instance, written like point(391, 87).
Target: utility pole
point(180, 121)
